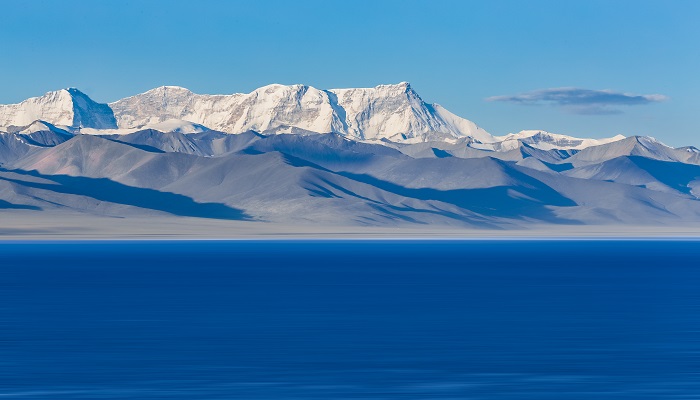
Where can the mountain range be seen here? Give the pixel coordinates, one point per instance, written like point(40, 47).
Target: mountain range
point(299, 155)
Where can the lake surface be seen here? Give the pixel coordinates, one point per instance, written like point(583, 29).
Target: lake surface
point(350, 320)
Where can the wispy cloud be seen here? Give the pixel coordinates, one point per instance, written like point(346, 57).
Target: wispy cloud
point(581, 101)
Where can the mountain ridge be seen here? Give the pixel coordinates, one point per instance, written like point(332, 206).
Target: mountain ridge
point(297, 155)
point(394, 113)
point(331, 179)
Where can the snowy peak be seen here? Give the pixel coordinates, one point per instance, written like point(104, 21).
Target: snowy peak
point(394, 112)
point(37, 126)
point(548, 141)
point(168, 91)
point(53, 106)
point(172, 88)
point(642, 146)
point(383, 112)
point(66, 107)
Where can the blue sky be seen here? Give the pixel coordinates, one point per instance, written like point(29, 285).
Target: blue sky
point(502, 64)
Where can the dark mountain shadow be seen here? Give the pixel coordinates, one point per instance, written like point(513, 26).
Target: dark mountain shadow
point(551, 156)
point(672, 174)
point(531, 199)
point(337, 108)
point(502, 201)
point(103, 189)
point(328, 149)
point(208, 143)
point(558, 167)
point(394, 212)
point(47, 138)
point(144, 147)
point(441, 153)
point(4, 205)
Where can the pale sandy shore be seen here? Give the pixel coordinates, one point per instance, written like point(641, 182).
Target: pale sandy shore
point(27, 225)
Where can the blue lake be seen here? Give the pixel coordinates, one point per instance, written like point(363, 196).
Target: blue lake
point(350, 320)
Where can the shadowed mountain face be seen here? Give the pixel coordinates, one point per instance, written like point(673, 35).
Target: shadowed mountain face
point(7, 205)
point(102, 190)
point(328, 179)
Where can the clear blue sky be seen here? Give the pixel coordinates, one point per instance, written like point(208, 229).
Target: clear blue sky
point(456, 53)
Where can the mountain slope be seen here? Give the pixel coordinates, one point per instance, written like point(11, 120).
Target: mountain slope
point(664, 176)
point(632, 146)
point(332, 180)
point(274, 185)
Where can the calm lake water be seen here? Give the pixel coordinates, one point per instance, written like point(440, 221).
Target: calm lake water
point(350, 320)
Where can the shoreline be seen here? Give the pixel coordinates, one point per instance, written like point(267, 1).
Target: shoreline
point(24, 226)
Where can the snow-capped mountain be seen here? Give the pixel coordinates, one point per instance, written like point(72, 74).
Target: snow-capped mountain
point(382, 114)
point(549, 141)
point(67, 107)
point(394, 112)
point(385, 114)
point(377, 156)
